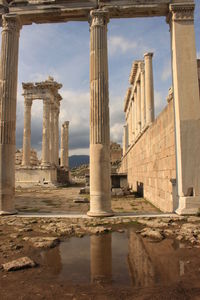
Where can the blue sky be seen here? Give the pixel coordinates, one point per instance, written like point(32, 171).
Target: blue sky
point(62, 51)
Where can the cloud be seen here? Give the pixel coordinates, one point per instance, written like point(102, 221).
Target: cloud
point(117, 44)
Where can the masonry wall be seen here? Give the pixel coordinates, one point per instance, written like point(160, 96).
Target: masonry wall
point(151, 161)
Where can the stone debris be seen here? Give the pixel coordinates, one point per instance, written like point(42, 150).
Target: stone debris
point(18, 264)
point(43, 242)
point(85, 190)
point(81, 200)
point(152, 233)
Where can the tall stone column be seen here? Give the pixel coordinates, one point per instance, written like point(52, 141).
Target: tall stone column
point(187, 106)
point(138, 108)
point(46, 133)
point(26, 158)
point(133, 119)
point(52, 135)
point(142, 86)
point(64, 153)
point(56, 135)
point(100, 185)
point(125, 140)
point(149, 88)
point(135, 112)
point(8, 94)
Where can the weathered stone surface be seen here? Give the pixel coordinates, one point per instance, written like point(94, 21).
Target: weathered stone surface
point(81, 200)
point(43, 242)
point(18, 264)
point(152, 234)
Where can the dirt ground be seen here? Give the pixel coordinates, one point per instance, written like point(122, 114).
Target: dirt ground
point(60, 200)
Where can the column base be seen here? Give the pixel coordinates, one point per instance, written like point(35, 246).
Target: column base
point(188, 205)
point(7, 213)
point(100, 213)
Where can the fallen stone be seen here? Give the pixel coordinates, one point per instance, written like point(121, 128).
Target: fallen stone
point(153, 223)
point(81, 200)
point(43, 242)
point(18, 264)
point(152, 233)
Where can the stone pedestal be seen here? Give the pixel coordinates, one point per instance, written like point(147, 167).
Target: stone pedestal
point(100, 185)
point(187, 107)
point(64, 152)
point(149, 90)
point(27, 133)
point(46, 134)
point(8, 94)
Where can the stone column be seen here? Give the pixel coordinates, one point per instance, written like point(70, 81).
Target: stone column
point(133, 119)
point(26, 158)
point(138, 108)
point(135, 112)
point(125, 140)
point(149, 88)
point(51, 135)
point(187, 106)
point(8, 95)
point(46, 133)
point(101, 258)
point(56, 134)
point(100, 185)
point(130, 125)
point(142, 86)
point(64, 152)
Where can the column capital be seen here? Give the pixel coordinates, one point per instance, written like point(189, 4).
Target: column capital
point(148, 55)
point(181, 12)
point(11, 23)
point(99, 17)
point(65, 124)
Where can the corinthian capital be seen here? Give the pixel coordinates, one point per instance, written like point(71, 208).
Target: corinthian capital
point(181, 12)
point(99, 17)
point(11, 23)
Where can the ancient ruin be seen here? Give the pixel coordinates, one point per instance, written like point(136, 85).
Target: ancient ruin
point(180, 17)
point(31, 171)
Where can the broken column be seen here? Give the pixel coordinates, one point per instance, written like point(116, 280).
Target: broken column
point(100, 185)
point(64, 156)
point(8, 94)
point(27, 133)
point(149, 88)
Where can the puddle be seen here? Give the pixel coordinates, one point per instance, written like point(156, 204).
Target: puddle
point(123, 260)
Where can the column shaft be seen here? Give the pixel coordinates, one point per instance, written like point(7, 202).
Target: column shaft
point(64, 152)
point(100, 186)
point(46, 134)
point(138, 108)
point(135, 112)
point(26, 158)
point(143, 109)
point(133, 119)
point(187, 107)
point(52, 135)
point(8, 95)
point(56, 135)
point(149, 88)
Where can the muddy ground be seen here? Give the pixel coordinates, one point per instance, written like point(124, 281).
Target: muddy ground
point(41, 283)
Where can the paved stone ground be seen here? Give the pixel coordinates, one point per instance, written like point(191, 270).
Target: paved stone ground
point(60, 200)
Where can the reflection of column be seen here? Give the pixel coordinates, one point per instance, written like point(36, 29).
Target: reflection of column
point(138, 108)
point(142, 86)
point(26, 158)
point(187, 106)
point(149, 89)
point(8, 94)
point(46, 133)
point(101, 258)
point(52, 135)
point(64, 153)
point(56, 124)
point(100, 186)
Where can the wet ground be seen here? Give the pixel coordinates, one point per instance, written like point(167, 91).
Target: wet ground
point(109, 266)
point(60, 200)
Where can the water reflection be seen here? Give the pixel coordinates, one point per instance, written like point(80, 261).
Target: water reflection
point(122, 259)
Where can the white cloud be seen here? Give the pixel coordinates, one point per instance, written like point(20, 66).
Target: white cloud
point(120, 44)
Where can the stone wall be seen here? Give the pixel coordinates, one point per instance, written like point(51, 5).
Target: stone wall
point(150, 162)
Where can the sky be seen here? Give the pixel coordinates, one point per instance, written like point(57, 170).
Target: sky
point(62, 51)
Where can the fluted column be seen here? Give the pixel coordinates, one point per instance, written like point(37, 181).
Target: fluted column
point(149, 88)
point(56, 135)
point(46, 133)
point(8, 95)
point(100, 185)
point(64, 152)
point(26, 158)
point(138, 108)
point(143, 108)
point(187, 106)
point(52, 135)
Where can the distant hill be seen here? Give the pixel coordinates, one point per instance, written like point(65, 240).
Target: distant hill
point(78, 160)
